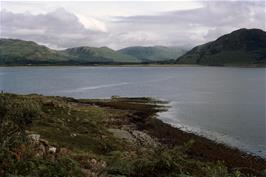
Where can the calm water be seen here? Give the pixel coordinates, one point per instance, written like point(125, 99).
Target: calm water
point(225, 104)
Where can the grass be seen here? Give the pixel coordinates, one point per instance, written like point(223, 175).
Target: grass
point(81, 128)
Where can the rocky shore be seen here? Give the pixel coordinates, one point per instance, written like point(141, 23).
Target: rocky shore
point(109, 137)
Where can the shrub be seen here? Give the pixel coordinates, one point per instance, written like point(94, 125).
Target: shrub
point(15, 115)
point(16, 153)
point(168, 163)
point(22, 112)
point(44, 168)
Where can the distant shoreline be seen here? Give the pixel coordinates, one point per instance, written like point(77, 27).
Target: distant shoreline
point(139, 65)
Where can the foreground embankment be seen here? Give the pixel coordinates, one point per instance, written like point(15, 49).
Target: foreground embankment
point(59, 136)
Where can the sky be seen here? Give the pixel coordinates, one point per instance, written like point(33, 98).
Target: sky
point(119, 24)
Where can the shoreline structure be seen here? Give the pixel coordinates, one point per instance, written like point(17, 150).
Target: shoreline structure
point(135, 122)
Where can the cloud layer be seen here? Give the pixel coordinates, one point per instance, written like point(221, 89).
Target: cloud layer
point(62, 28)
point(58, 29)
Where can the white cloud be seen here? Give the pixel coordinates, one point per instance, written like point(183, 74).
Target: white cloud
point(92, 23)
point(122, 24)
point(58, 28)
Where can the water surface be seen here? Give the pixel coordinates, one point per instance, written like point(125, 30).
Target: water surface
point(225, 104)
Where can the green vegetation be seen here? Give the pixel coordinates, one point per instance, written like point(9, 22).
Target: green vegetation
point(244, 47)
point(17, 154)
point(169, 163)
point(57, 136)
point(24, 52)
point(19, 52)
point(100, 55)
point(156, 53)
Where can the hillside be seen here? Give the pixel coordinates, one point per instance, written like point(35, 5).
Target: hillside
point(102, 54)
point(58, 136)
point(20, 52)
point(242, 47)
point(13, 51)
point(156, 53)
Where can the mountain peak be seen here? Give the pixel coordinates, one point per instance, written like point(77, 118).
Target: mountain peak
point(243, 46)
point(244, 32)
point(247, 30)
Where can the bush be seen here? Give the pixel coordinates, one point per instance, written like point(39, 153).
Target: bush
point(62, 167)
point(168, 163)
point(16, 152)
point(22, 112)
point(161, 162)
point(15, 115)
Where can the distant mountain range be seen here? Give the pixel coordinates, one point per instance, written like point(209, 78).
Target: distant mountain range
point(13, 51)
point(243, 47)
point(19, 52)
point(100, 55)
point(156, 53)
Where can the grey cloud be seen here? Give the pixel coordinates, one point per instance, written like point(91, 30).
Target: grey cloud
point(202, 24)
point(212, 14)
point(61, 29)
point(58, 29)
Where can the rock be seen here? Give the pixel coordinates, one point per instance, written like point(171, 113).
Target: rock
point(44, 142)
point(52, 149)
point(64, 151)
point(41, 151)
point(93, 161)
point(73, 134)
point(96, 166)
point(122, 134)
point(35, 137)
point(134, 136)
point(103, 164)
point(144, 138)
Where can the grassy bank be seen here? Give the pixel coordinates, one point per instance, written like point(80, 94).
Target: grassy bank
point(59, 136)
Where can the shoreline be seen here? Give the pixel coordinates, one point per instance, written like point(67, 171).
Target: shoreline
point(95, 130)
point(216, 137)
point(206, 148)
point(140, 65)
point(202, 148)
point(111, 65)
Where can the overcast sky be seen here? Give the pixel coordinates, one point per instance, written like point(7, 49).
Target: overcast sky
point(120, 24)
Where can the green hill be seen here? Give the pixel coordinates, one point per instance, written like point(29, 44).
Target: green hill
point(156, 53)
point(242, 47)
point(102, 54)
point(13, 51)
point(20, 52)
